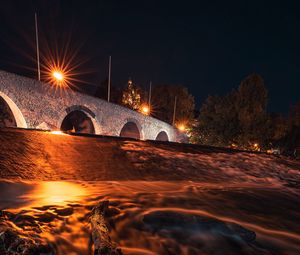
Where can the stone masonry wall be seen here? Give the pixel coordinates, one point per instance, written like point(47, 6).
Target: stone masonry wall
point(44, 107)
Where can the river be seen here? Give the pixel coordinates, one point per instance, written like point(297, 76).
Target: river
point(163, 198)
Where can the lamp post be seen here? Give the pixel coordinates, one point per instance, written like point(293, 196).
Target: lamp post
point(58, 78)
point(146, 109)
point(174, 111)
point(109, 74)
point(149, 99)
point(37, 47)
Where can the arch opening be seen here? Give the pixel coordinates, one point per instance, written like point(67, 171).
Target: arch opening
point(131, 130)
point(79, 122)
point(10, 114)
point(162, 136)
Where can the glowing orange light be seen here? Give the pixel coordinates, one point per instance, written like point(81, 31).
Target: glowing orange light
point(181, 127)
point(145, 109)
point(57, 132)
point(256, 147)
point(58, 76)
point(61, 71)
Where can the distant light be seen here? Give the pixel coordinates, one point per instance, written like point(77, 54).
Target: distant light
point(57, 132)
point(256, 147)
point(145, 109)
point(58, 75)
point(181, 127)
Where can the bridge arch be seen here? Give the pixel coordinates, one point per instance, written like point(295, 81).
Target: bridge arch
point(79, 119)
point(16, 112)
point(132, 129)
point(162, 136)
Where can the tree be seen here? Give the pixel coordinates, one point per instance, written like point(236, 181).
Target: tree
point(238, 118)
point(294, 115)
point(278, 128)
point(291, 141)
point(162, 103)
point(217, 123)
point(251, 106)
point(131, 96)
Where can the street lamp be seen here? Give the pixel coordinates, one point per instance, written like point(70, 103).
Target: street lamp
point(58, 76)
point(181, 127)
point(145, 109)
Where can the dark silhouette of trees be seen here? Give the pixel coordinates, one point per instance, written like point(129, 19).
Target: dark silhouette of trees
point(162, 103)
point(237, 119)
point(290, 143)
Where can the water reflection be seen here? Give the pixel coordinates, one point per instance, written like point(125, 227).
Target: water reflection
point(26, 195)
point(58, 193)
point(158, 217)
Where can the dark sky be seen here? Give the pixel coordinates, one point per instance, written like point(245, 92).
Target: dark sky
point(208, 46)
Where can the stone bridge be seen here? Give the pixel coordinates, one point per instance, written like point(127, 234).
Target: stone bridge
point(35, 104)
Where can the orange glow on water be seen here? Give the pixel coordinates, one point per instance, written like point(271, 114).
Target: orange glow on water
point(56, 192)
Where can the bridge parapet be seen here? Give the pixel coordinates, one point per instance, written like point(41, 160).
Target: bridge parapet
point(37, 105)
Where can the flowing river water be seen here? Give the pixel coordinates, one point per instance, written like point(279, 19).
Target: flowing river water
point(163, 198)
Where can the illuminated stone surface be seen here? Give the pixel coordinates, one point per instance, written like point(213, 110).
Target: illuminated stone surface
point(39, 105)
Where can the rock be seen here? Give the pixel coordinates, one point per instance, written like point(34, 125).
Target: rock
point(170, 223)
point(112, 211)
point(100, 233)
point(44, 208)
point(46, 217)
point(64, 211)
point(245, 234)
point(6, 215)
point(14, 243)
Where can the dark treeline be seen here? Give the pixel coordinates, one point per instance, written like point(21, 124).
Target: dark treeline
point(238, 119)
point(162, 100)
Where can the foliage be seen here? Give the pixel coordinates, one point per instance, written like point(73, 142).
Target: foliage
point(294, 115)
point(131, 96)
point(237, 119)
point(217, 116)
point(251, 103)
point(290, 143)
point(163, 99)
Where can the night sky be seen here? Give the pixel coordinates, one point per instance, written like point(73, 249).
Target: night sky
point(207, 46)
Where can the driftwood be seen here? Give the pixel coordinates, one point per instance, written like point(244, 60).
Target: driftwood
point(100, 233)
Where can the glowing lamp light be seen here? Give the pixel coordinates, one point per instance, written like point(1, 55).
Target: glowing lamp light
point(256, 147)
point(181, 127)
point(145, 109)
point(57, 75)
